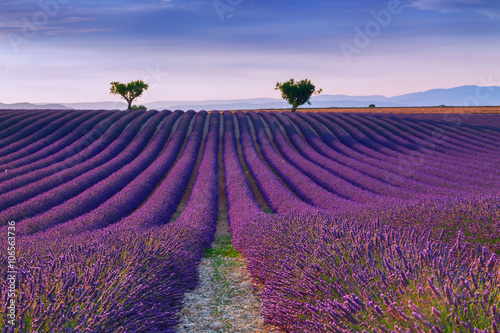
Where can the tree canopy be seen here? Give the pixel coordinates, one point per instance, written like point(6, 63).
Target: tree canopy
point(129, 91)
point(297, 93)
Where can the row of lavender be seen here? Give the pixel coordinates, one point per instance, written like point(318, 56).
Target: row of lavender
point(389, 266)
point(99, 268)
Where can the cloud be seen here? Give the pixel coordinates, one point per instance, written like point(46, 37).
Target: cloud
point(490, 8)
point(111, 13)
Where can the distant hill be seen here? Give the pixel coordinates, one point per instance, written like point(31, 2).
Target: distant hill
point(30, 106)
point(97, 105)
point(459, 96)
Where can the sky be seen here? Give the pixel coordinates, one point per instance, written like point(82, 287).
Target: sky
point(65, 51)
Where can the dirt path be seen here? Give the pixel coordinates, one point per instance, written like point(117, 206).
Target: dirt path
point(225, 300)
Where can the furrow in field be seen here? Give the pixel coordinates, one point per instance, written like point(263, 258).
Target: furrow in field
point(68, 157)
point(118, 140)
point(56, 131)
point(411, 162)
point(163, 202)
point(277, 196)
point(455, 161)
point(29, 131)
point(321, 176)
point(302, 185)
point(128, 199)
point(10, 118)
point(453, 148)
point(261, 200)
point(351, 175)
point(42, 133)
point(59, 145)
point(479, 137)
point(23, 125)
point(422, 164)
point(242, 204)
point(372, 153)
point(90, 190)
point(192, 179)
point(197, 222)
point(392, 180)
point(386, 145)
point(459, 144)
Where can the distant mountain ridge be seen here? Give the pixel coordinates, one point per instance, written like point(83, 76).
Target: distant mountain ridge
point(458, 96)
point(30, 106)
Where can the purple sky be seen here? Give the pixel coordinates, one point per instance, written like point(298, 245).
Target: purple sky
point(70, 50)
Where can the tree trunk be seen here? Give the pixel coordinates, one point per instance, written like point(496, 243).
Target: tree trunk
point(129, 105)
point(294, 107)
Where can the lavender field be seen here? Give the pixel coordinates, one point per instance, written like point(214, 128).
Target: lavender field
point(348, 222)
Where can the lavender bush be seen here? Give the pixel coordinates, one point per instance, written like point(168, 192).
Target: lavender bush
point(322, 274)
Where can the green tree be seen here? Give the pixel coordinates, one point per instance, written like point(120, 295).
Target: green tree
point(129, 91)
point(297, 93)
